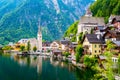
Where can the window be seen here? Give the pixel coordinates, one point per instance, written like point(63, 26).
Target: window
point(99, 51)
point(95, 51)
point(95, 46)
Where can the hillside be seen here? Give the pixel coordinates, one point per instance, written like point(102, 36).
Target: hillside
point(100, 8)
point(104, 8)
point(19, 18)
point(72, 31)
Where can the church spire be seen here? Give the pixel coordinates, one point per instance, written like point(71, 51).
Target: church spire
point(39, 27)
point(88, 12)
point(39, 37)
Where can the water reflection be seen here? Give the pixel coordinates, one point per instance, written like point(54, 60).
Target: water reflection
point(36, 62)
point(41, 68)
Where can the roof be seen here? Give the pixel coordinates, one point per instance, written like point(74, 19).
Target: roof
point(65, 42)
point(117, 43)
point(117, 17)
point(95, 38)
point(46, 42)
point(102, 57)
point(75, 43)
point(113, 33)
point(22, 40)
point(92, 20)
point(57, 51)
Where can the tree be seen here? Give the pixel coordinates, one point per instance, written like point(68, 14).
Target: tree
point(22, 48)
point(110, 45)
point(7, 48)
point(28, 46)
point(90, 61)
point(34, 48)
point(81, 36)
point(77, 55)
point(119, 64)
point(72, 30)
point(104, 8)
point(79, 52)
point(109, 70)
point(66, 54)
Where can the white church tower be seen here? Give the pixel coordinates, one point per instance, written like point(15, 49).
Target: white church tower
point(39, 39)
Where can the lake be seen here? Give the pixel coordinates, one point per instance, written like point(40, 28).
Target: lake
point(40, 68)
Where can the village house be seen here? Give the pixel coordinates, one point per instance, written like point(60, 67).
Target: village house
point(55, 45)
point(46, 44)
point(23, 41)
point(112, 35)
point(65, 45)
point(33, 43)
point(88, 23)
point(114, 20)
point(117, 46)
point(92, 44)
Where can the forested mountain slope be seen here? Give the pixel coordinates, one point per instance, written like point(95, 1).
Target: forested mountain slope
point(19, 18)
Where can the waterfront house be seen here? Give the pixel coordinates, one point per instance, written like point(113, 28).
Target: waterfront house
point(92, 44)
point(46, 44)
point(33, 43)
point(57, 52)
point(55, 45)
point(72, 47)
point(65, 45)
point(23, 41)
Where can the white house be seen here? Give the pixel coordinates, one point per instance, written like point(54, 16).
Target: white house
point(88, 23)
point(55, 45)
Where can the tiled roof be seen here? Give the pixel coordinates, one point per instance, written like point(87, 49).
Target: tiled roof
point(102, 57)
point(117, 43)
point(65, 42)
point(114, 33)
point(57, 50)
point(92, 20)
point(116, 17)
point(95, 38)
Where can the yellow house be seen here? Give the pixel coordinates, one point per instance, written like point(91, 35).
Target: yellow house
point(92, 44)
point(16, 47)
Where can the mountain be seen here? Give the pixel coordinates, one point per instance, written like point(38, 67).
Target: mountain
point(19, 18)
point(104, 8)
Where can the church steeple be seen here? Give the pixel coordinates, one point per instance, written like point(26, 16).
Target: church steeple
point(88, 12)
point(39, 37)
point(39, 30)
point(39, 27)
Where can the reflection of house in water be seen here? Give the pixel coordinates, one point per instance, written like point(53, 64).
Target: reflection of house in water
point(39, 65)
point(33, 61)
point(56, 62)
point(36, 61)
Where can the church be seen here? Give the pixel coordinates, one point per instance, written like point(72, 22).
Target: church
point(34, 42)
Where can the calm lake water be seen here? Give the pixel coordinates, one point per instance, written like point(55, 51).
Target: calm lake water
point(40, 68)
